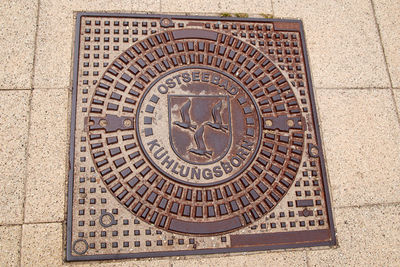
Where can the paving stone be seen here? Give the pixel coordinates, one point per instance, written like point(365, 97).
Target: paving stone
point(10, 237)
point(150, 262)
point(292, 258)
point(367, 236)
point(146, 6)
point(14, 109)
point(47, 156)
point(55, 36)
point(258, 7)
point(342, 40)
point(360, 134)
point(221, 6)
point(17, 41)
point(42, 244)
point(387, 15)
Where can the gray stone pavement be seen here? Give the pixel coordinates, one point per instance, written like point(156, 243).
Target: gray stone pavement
point(354, 50)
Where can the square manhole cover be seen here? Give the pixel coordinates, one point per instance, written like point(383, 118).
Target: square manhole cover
point(193, 135)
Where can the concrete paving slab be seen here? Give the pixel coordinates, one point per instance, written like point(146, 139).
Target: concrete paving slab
point(258, 7)
point(221, 6)
point(343, 42)
point(47, 156)
point(165, 262)
point(17, 41)
point(146, 6)
point(55, 35)
point(360, 133)
point(41, 244)
point(293, 258)
point(368, 236)
point(387, 15)
point(10, 237)
point(14, 108)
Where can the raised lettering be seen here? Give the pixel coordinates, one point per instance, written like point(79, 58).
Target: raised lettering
point(205, 77)
point(153, 143)
point(247, 145)
point(177, 78)
point(233, 90)
point(226, 166)
point(174, 168)
point(207, 174)
point(170, 83)
point(236, 161)
point(163, 89)
point(242, 154)
point(195, 76)
point(186, 77)
point(224, 84)
point(169, 162)
point(195, 172)
point(215, 79)
point(156, 154)
point(181, 171)
point(217, 171)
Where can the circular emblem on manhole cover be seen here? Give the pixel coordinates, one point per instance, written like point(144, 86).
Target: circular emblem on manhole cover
point(195, 131)
point(198, 125)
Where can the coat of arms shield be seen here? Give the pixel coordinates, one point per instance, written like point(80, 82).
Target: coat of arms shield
point(200, 129)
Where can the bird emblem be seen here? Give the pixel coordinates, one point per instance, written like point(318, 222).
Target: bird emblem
point(185, 123)
point(216, 114)
point(201, 147)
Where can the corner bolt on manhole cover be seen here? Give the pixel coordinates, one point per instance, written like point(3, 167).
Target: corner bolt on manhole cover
point(193, 135)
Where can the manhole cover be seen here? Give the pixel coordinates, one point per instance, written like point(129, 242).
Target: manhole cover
point(193, 135)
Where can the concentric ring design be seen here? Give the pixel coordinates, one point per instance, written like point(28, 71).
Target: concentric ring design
point(178, 207)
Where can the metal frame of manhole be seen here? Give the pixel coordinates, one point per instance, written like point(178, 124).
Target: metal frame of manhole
point(193, 135)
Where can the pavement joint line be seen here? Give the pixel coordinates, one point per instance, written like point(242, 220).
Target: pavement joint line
point(389, 204)
point(396, 106)
point(66, 181)
point(72, 49)
point(381, 42)
point(30, 223)
point(58, 88)
point(29, 126)
point(63, 241)
point(354, 88)
point(386, 63)
point(26, 166)
point(35, 45)
point(18, 89)
point(11, 224)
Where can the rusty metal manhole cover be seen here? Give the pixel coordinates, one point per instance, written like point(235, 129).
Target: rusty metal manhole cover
point(193, 135)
